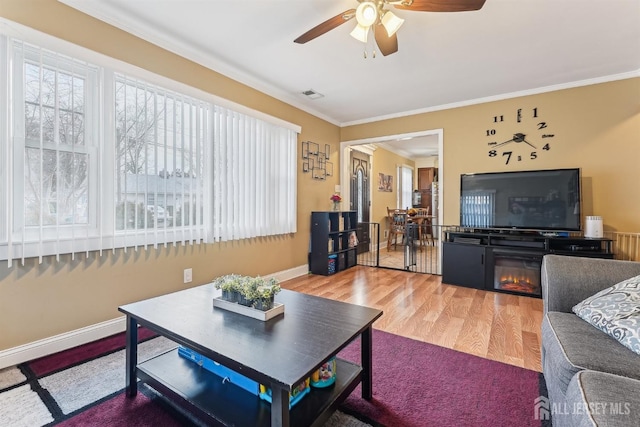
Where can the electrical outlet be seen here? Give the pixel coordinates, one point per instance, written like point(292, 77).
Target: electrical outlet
point(386, 234)
point(188, 275)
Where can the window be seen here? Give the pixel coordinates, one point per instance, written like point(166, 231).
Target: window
point(479, 207)
point(56, 157)
point(360, 194)
point(54, 162)
point(92, 158)
point(159, 162)
point(405, 187)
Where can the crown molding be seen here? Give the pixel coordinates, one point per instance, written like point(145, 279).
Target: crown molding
point(535, 91)
point(365, 148)
point(399, 152)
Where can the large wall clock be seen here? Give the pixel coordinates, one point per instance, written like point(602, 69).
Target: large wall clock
point(517, 137)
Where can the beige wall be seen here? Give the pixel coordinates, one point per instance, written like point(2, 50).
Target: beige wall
point(41, 300)
point(596, 128)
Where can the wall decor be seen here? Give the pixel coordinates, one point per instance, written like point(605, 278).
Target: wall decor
point(316, 161)
point(318, 173)
point(385, 182)
point(519, 136)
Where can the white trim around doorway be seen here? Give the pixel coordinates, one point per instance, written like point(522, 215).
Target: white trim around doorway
point(365, 146)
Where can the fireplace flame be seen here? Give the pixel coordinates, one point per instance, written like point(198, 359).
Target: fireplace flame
point(519, 284)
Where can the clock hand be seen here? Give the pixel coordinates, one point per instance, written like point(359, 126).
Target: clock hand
point(503, 143)
point(519, 137)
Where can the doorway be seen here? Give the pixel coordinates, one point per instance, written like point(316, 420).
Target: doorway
point(426, 260)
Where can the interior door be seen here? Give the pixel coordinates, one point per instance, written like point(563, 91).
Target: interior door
point(360, 200)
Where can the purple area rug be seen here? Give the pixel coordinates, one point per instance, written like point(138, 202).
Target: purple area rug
point(82, 353)
point(120, 411)
point(414, 384)
point(420, 384)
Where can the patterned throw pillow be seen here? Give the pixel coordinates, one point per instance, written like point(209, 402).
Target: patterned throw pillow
point(615, 311)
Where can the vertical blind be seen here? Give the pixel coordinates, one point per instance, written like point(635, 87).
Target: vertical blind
point(254, 177)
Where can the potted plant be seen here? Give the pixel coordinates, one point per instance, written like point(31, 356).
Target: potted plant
point(264, 294)
point(230, 286)
point(247, 290)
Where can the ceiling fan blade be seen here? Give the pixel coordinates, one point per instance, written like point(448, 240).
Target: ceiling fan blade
point(386, 44)
point(326, 26)
point(442, 5)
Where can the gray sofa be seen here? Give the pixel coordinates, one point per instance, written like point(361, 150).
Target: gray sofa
point(592, 379)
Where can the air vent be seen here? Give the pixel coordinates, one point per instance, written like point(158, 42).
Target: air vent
point(312, 94)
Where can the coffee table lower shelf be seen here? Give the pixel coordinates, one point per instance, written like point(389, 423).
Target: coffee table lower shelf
point(203, 393)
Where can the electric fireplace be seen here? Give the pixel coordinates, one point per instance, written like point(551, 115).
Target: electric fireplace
point(517, 271)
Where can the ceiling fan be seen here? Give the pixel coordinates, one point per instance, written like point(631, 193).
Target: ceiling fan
point(372, 14)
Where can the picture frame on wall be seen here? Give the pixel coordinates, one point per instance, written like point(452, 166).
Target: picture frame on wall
point(305, 149)
point(385, 182)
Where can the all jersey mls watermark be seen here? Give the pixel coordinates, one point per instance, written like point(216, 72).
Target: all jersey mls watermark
point(544, 409)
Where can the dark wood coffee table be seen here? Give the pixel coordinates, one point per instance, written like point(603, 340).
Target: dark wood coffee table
point(278, 353)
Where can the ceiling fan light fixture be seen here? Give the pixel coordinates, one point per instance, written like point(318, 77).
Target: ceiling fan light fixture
point(366, 14)
point(360, 33)
point(391, 22)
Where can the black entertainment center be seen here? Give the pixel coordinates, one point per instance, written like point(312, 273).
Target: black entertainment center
point(506, 260)
point(508, 222)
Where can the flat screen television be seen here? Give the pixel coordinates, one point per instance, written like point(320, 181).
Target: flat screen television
point(533, 200)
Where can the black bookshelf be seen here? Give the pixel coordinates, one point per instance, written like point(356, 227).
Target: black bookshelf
point(331, 248)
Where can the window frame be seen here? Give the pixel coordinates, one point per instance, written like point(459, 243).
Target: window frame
point(100, 234)
point(36, 234)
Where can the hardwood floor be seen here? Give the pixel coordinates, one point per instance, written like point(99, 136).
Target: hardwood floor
point(496, 326)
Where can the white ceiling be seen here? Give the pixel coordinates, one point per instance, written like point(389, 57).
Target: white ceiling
point(508, 48)
point(413, 147)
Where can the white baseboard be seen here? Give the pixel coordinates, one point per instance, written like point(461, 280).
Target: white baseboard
point(292, 273)
point(64, 341)
point(44, 347)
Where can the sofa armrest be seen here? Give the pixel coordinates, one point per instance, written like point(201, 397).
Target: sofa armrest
point(567, 280)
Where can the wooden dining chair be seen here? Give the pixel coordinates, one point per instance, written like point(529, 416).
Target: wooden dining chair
point(397, 226)
point(426, 229)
